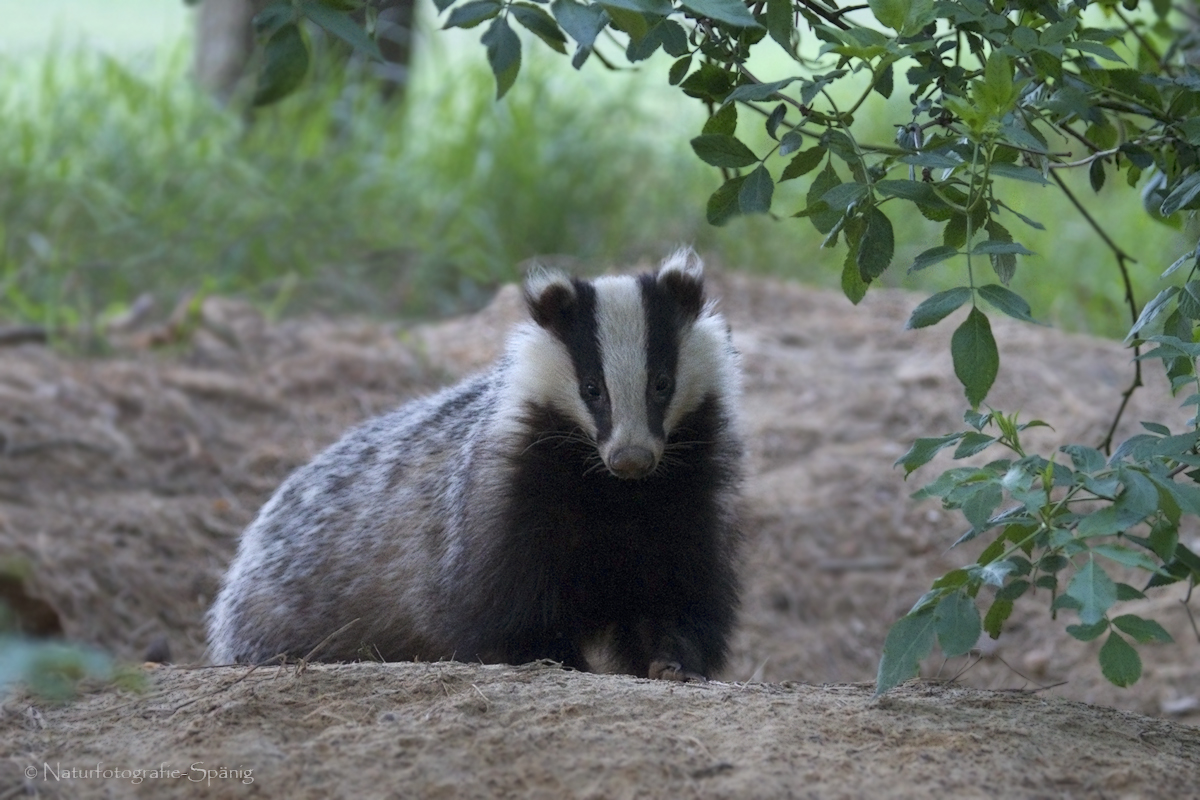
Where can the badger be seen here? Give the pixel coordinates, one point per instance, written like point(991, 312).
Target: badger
point(581, 496)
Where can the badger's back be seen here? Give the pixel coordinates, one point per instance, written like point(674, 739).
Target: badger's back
point(584, 489)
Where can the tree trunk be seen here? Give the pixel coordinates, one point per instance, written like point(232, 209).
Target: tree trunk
point(225, 43)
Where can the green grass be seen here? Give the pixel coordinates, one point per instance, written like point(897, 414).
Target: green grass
point(117, 177)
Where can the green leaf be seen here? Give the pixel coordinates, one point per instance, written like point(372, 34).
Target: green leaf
point(1094, 590)
point(996, 616)
point(731, 12)
point(1065, 601)
point(540, 24)
point(773, 123)
point(341, 25)
point(1142, 630)
point(1013, 590)
point(658, 8)
point(892, 13)
point(755, 195)
point(503, 54)
point(724, 204)
point(582, 22)
point(937, 307)
point(780, 25)
point(1084, 459)
point(916, 191)
point(1125, 593)
point(1126, 556)
point(1181, 195)
point(825, 180)
point(285, 63)
point(853, 285)
point(722, 150)
point(976, 359)
point(978, 508)
point(1096, 49)
point(1119, 662)
point(1057, 32)
point(723, 122)
point(923, 451)
point(1003, 264)
point(1164, 536)
point(751, 92)
point(934, 255)
point(1086, 633)
point(886, 82)
point(844, 195)
point(1140, 498)
point(955, 233)
point(841, 146)
point(973, 442)
point(1007, 301)
point(908, 642)
point(877, 245)
point(1027, 174)
point(666, 34)
point(468, 15)
point(710, 83)
point(956, 620)
point(952, 579)
point(679, 70)
point(1104, 522)
point(998, 82)
point(802, 163)
point(790, 142)
point(1096, 175)
point(991, 246)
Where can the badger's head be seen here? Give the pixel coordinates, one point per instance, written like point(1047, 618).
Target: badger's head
point(626, 358)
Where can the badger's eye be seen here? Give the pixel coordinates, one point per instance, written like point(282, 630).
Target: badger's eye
point(590, 391)
point(663, 384)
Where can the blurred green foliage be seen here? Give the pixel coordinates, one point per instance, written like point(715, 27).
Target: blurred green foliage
point(119, 177)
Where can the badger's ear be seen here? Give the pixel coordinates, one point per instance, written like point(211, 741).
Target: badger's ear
point(681, 276)
point(550, 297)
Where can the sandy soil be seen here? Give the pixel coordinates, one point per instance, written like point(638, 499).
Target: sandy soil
point(125, 481)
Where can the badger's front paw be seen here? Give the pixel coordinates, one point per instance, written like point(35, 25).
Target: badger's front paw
point(673, 671)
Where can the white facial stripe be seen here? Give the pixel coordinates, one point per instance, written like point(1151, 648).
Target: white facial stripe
point(542, 373)
point(706, 366)
point(621, 331)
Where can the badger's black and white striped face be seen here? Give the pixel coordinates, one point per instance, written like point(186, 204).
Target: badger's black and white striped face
point(626, 358)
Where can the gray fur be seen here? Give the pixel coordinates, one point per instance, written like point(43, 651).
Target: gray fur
point(376, 528)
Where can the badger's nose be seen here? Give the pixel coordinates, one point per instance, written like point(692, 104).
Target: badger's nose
point(631, 462)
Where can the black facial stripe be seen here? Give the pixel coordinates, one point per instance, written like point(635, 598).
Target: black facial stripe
point(583, 343)
point(663, 322)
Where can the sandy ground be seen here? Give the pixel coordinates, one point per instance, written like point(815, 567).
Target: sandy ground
point(125, 482)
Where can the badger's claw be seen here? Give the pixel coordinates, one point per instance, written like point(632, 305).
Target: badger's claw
point(673, 671)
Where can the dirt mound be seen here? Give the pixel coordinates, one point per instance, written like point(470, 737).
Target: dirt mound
point(126, 481)
point(459, 731)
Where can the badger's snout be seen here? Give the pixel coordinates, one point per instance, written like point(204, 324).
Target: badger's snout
point(631, 462)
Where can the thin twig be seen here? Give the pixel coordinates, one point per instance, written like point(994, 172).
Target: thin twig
point(1041, 687)
point(303, 665)
point(1123, 259)
point(830, 17)
point(226, 687)
point(1188, 609)
point(1145, 43)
